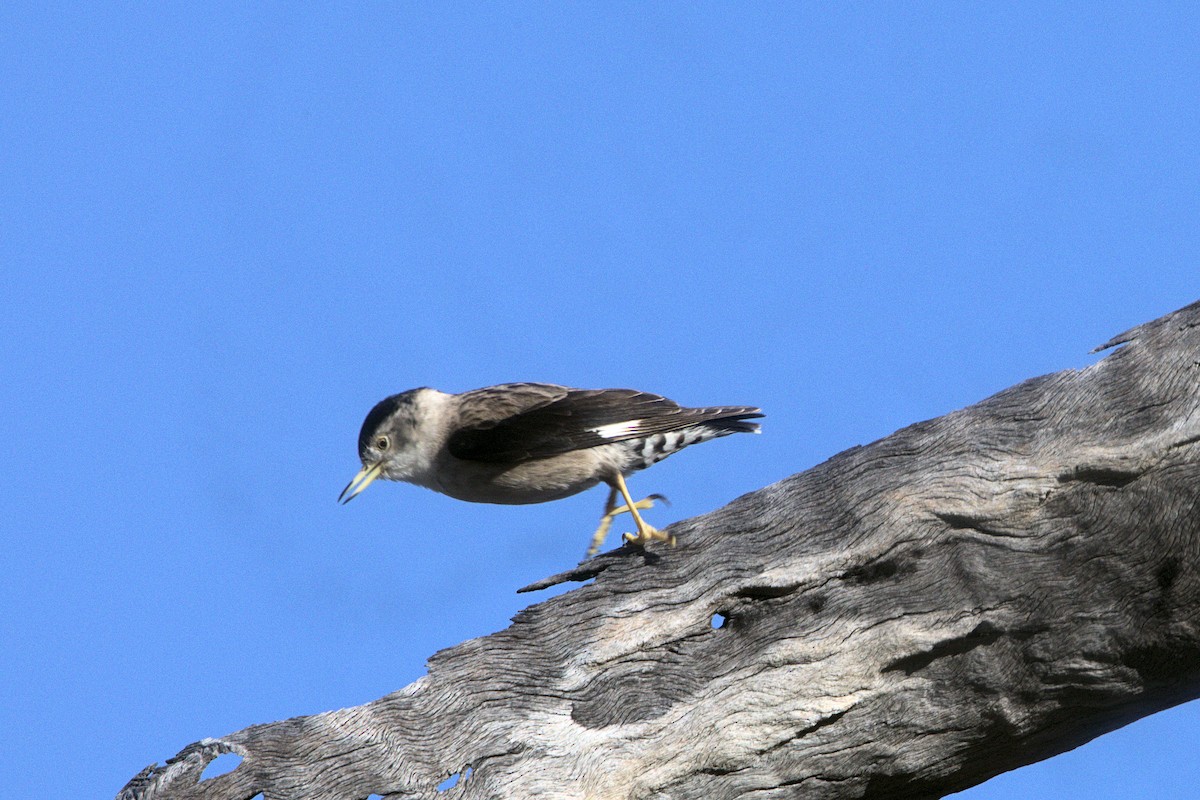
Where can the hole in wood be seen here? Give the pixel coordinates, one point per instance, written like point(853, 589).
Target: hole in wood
point(718, 621)
point(222, 764)
point(454, 780)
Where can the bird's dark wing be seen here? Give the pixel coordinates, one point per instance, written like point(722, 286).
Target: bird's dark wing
point(576, 419)
point(483, 409)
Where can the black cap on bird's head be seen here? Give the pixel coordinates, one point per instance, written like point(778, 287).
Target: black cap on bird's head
point(391, 416)
point(380, 415)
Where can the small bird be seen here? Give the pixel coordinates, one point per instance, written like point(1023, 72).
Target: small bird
point(534, 442)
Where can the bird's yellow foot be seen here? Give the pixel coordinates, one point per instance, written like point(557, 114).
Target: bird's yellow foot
point(610, 513)
point(648, 534)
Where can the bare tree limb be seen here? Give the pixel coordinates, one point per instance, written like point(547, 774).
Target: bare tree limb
point(910, 618)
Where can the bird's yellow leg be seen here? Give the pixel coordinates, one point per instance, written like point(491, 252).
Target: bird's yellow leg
point(605, 524)
point(611, 510)
point(645, 533)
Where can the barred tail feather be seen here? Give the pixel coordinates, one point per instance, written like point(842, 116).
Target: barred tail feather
point(736, 424)
point(732, 419)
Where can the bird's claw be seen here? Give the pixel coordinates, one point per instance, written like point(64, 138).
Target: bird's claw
point(642, 538)
point(606, 521)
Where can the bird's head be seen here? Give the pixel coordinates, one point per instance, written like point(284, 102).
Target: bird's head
point(388, 442)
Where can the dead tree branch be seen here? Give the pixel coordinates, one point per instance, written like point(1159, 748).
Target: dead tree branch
point(910, 618)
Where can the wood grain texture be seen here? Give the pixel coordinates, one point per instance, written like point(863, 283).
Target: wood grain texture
point(905, 620)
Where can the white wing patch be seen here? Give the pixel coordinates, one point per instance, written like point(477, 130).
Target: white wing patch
point(617, 429)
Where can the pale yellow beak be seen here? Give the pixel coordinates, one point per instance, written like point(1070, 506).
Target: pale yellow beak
point(361, 481)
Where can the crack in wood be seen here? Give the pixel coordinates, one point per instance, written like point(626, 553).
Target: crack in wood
point(983, 634)
point(1109, 477)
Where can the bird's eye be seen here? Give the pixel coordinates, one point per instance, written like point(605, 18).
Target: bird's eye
point(382, 443)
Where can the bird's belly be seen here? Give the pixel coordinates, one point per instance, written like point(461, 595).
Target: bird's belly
point(538, 481)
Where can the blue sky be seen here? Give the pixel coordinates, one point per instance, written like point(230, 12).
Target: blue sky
point(226, 230)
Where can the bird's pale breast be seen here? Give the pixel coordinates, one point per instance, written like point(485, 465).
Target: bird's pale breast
point(536, 481)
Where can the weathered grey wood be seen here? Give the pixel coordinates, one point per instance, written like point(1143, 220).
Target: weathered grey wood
point(910, 618)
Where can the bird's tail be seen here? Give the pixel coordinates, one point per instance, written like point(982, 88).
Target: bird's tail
point(733, 420)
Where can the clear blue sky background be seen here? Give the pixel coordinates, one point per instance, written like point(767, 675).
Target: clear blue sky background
point(227, 229)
